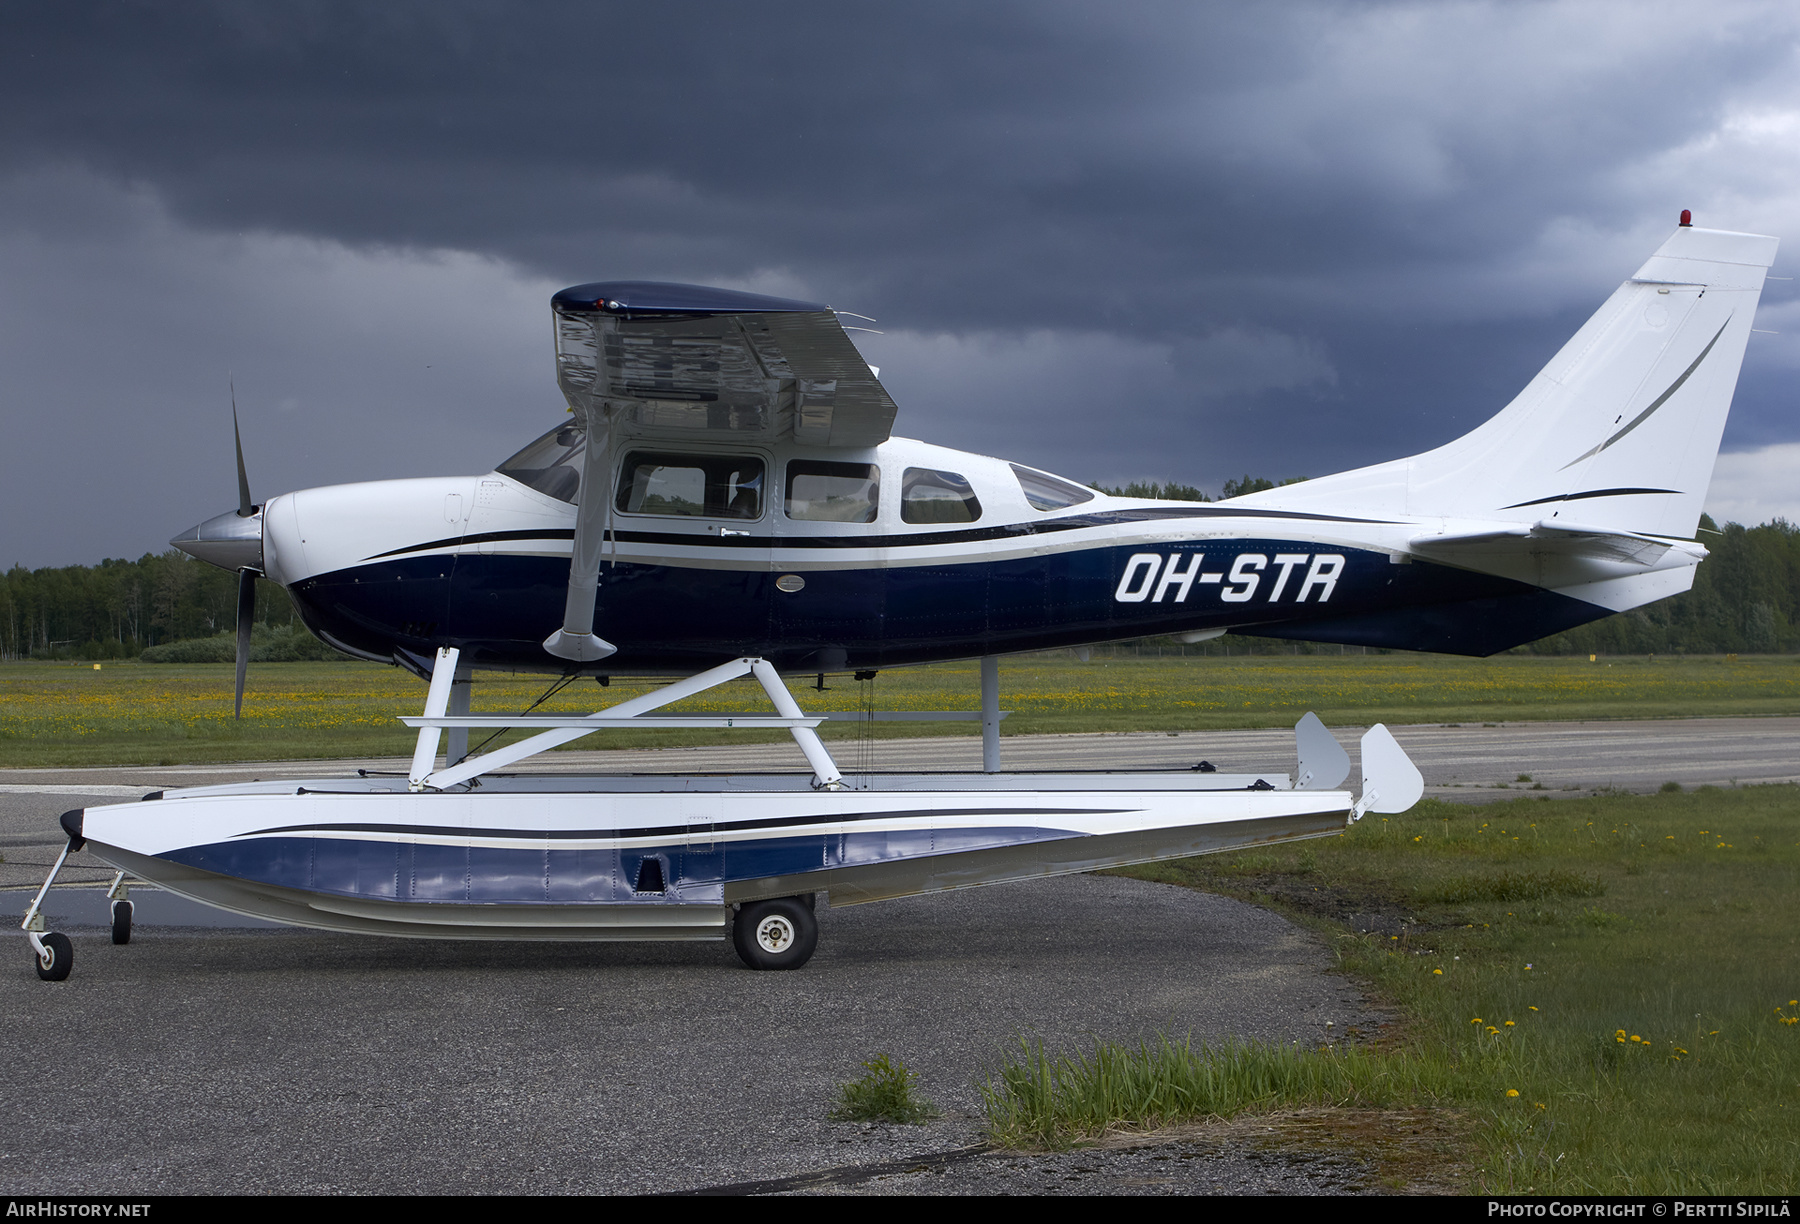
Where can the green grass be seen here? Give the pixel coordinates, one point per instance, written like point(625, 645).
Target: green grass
point(1627, 966)
point(63, 714)
point(1045, 1100)
point(885, 1093)
point(1515, 886)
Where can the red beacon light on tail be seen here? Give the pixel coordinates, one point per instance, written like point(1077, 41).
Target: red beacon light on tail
point(1687, 217)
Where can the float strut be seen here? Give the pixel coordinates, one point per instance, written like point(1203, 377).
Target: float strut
point(990, 714)
point(437, 704)
point(825, 770)
point(456, 739)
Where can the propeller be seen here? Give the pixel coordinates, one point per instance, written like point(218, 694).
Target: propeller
point(246, 599)
point(245, 509)
point(233, 541)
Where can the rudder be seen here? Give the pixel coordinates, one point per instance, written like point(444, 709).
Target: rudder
point(1618, 432)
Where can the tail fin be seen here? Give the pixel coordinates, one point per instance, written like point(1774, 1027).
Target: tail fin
point(1619, 431)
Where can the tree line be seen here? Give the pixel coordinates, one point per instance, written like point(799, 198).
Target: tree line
point(1181, 492)
point(118, 608)
point(1745, 599)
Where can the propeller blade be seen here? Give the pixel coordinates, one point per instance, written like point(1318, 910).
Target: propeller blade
point(246, 613)
point(245, 508)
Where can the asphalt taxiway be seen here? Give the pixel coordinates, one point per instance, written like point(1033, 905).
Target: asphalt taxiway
point(240, 1061)
point(233, 1059)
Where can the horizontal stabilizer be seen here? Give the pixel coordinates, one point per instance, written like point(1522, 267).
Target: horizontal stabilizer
point(1547, 538)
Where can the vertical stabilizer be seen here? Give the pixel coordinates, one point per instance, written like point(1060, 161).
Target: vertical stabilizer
point(1619, 431)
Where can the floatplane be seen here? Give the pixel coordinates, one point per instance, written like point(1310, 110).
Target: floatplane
point(725, 500)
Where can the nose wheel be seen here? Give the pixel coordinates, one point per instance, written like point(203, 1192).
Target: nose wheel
point(55, 955)
point(51, 952)
point(777, 934)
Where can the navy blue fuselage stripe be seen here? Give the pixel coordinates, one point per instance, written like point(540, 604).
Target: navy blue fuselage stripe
point(733, 826)
point(498, 607)
point(912, 539)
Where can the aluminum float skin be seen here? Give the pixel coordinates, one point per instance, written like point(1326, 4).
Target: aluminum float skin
point(617, 858)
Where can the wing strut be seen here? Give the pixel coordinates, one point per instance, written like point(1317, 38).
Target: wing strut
point(576, 640)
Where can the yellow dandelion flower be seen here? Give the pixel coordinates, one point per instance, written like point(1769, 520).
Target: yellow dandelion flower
point(1512, 1092)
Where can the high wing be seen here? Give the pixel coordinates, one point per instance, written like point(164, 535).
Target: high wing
point(687, 362)
point(642, 359)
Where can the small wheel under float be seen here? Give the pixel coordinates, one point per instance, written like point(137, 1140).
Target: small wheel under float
point(121, 922)
point(777, 934)
point(57, 958)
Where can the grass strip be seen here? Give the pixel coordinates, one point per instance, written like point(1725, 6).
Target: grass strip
point(63, 714)
point(1643, 1039)
point(1043, 1100)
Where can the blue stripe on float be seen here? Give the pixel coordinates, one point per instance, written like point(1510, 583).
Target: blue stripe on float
point(406, 871)
point(720, 826)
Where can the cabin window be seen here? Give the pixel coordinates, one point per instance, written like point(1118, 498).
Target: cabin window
point(692, 486)
point(551, 464)
point(1047, 492)
point(930, 496)
point(832, 492)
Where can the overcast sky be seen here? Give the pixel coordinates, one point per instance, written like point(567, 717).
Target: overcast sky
point(1123, 241)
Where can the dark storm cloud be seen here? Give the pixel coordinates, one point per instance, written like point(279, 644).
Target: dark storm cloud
point(1292, 238)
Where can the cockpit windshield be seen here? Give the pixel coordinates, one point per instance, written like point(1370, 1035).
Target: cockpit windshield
point(551, 464)
point(1047, 492)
